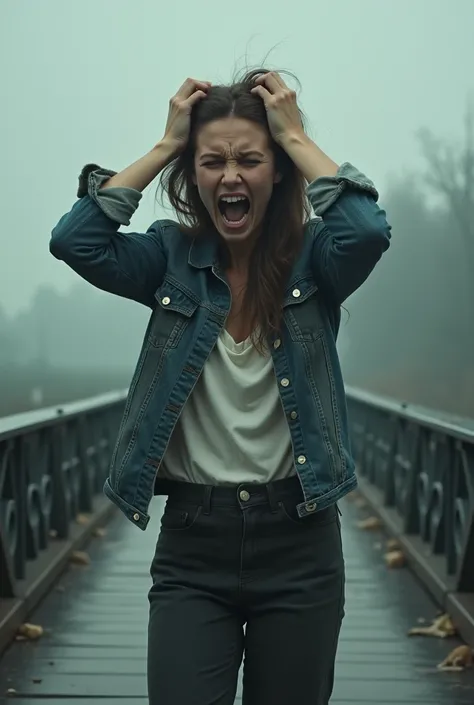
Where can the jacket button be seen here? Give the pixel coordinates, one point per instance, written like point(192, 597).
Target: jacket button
point(310, 507)
point(301, 459)
point(136, 517)
point(277, 343)
point(293, 415)
point(285, 382)
point(296, 293)
point(244, 496)
point(165, 300)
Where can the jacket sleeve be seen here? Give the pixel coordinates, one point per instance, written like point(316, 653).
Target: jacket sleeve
point(350, 231)
point(88, 240)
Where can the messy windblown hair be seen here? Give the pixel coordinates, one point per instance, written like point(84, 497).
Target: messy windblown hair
point(280, 241)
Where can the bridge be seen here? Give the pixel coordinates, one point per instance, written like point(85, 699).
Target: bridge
point(74, 573)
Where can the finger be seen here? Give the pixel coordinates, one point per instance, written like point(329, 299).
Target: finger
point(191, 85)
point(195, 98)
point(272, 81)
point(262, 92)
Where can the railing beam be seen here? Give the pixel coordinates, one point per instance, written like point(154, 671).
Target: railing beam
point(53, 464)
point(416, 468)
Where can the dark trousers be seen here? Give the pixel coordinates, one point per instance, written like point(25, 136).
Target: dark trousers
point(233, 556)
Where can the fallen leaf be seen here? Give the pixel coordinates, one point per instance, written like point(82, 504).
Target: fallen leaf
point(11, 691)
point(82, 519)
point(30, 631)
point(392, 545)
point(458, 659)
point(370, 524)
point(441, 627)
point(395, 559)
point(80, 558)
point(99, 533)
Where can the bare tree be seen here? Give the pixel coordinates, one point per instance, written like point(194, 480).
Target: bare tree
point(451, 175)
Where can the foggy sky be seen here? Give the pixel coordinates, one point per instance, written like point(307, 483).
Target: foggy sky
point(91, 81)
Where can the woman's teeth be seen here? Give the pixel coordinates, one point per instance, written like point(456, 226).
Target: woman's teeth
point(234, 209)
point(233, 199)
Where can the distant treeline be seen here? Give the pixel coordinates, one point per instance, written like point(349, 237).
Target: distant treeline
point(411, 328)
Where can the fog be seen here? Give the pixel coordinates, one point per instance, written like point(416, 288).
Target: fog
point(386, 85)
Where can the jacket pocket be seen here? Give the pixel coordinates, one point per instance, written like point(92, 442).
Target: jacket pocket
point(175, 307)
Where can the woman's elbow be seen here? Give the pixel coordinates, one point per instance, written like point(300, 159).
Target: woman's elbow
point(378, 232)
point(59, 244)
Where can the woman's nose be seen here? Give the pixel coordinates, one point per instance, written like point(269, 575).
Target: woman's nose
point(231, 172)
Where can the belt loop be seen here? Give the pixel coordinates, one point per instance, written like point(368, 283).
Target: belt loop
point(206, 500)
point(272, 499)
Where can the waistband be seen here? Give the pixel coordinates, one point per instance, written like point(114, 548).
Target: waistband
point(242, 495)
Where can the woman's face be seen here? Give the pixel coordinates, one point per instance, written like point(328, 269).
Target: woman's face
point(235, 173)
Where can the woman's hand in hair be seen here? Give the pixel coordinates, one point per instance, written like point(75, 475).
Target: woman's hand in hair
point(179, 114)
point(286, 127)
point(283, 115)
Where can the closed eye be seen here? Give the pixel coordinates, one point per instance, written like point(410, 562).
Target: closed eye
point(212, 165)
point(219, 163)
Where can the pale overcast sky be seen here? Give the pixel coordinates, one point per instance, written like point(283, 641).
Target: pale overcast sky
point(90, 81)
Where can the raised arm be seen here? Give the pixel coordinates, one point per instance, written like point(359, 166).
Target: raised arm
point(87, 238)
point(351, 232)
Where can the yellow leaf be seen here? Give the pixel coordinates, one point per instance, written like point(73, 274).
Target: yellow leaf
point(370, 524)
point(393, 545)
point(82, 519)
point(80, 558)
point(440, 628)
point(395, 559)
point(30, 631)
point(458, 659)
point(99, 533)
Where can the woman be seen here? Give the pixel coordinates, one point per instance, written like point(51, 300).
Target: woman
point(236, 410)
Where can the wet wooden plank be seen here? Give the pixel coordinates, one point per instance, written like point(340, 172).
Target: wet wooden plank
point(95, 645)
point(357, 669)
point(421, 690)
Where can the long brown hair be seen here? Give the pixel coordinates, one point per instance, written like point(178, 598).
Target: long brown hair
point(279, 243)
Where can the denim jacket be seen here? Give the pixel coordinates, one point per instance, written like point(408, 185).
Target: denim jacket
point(180, 280)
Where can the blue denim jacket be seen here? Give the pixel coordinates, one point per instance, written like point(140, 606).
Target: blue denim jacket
point(181, 281)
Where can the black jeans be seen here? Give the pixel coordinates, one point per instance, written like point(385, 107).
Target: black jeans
point(233, 556)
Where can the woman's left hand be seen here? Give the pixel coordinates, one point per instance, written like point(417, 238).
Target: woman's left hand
point(284, 118)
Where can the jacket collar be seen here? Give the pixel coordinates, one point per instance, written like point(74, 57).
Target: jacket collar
point(204, 252)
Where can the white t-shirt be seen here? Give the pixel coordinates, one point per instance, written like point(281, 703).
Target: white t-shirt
point(233, 428)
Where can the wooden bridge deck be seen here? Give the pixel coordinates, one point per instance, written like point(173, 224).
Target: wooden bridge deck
point(94, 647)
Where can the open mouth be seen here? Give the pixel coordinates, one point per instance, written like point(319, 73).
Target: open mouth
point(234, 210)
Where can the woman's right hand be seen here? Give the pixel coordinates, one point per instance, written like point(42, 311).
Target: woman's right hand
point(179, 115)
